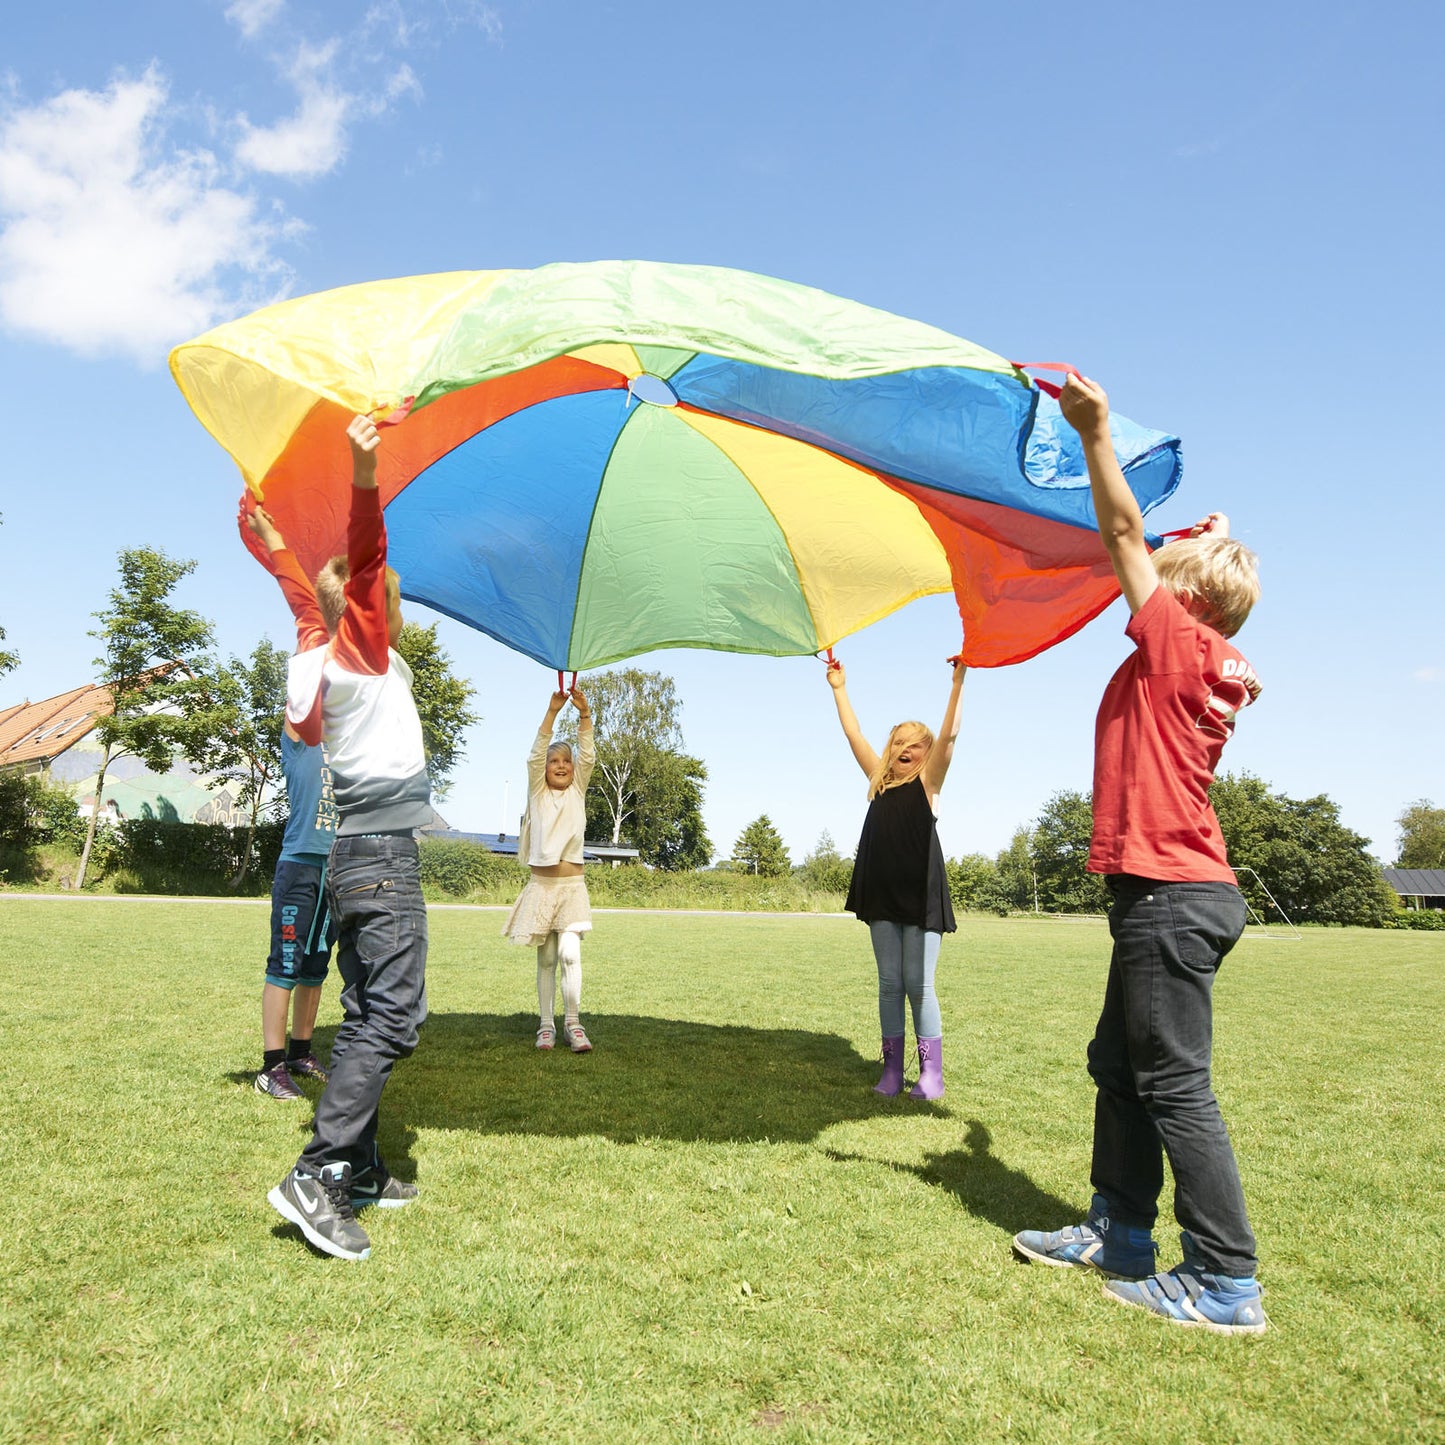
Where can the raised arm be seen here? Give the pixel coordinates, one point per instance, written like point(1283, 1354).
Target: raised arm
point(935, 767)
point(586, 758)
point(294, 583)
point(867, 758)
point(537, 758)
point(363, 640)
point(1085, 406)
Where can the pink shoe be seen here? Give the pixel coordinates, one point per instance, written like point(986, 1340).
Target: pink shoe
point(576, 1036)
point(546, 1036)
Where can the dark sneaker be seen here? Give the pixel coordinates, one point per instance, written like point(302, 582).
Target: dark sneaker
point(381, 1188)
point(308, 1066)
point(1190, 1294)
point(319, 1205)
point(576, 1037)
point(1122, 1251)
point(278, 1083)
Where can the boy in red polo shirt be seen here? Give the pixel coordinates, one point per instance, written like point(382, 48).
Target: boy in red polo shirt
point(1176, 912)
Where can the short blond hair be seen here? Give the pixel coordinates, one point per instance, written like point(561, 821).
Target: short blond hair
point(1220, 574)
point(331, 583)
point(901, 736)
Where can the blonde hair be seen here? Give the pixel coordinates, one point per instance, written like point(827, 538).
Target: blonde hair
point(331, 583)
point(1220, 574)
point(902, 735)
point(560, 748)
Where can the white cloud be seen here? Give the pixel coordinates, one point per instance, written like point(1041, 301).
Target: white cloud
point(114, 239)
point(252, 16)
point(1429, 674)
point(311, 142)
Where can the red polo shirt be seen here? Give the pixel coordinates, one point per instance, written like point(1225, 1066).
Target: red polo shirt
point(1165, 718)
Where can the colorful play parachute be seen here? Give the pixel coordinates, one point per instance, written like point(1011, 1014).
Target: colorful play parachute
point(590, 461)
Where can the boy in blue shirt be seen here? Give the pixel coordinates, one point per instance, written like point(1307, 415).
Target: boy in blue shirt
point(302, 931)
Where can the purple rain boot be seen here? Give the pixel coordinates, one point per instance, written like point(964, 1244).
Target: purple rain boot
point(891, 1080)
point(930, 1070)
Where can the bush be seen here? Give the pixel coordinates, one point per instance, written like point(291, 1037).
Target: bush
point(1426, 918)
point(460, 867)
point(156, 856)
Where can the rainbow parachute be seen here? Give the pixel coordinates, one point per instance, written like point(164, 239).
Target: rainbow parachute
point(589, 461)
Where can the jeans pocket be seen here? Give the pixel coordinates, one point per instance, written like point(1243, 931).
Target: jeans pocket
point(1208, 920)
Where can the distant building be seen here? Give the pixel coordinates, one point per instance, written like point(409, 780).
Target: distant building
point(1418, 887)
point(53, 738)
point(506, 844)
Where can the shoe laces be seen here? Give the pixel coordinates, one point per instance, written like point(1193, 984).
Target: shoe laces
point(338, 1190)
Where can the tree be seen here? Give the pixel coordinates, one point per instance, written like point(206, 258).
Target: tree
point(974, 883)
point(759, 849)
point(1017, 880)
point(9, 661)
point(1060, 849)
point(154, 663)
point(1422, 836)
point(235, 732)
point(1317, 869)
point(667, 828)
point(645, 787)
point(443, 702)
point(825, 868)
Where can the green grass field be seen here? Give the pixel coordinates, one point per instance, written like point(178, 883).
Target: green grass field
point(709, 1228)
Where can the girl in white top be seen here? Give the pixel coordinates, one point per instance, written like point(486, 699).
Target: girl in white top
point(554, 911)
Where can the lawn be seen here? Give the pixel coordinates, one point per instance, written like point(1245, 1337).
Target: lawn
point(709, 1228)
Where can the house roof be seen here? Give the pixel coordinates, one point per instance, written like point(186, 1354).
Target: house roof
point(37, 731)
point(1416, 882)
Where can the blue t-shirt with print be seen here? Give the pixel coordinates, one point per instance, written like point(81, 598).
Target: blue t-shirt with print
point(311, 826)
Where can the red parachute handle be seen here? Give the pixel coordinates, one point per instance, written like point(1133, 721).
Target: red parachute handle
point(563, 686)
point(1048, 386)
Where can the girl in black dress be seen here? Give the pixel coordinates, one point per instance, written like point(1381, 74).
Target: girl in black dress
point(899, 887)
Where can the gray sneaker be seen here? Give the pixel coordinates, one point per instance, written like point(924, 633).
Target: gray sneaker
point(277, 1083)
point(319, 1205)
point(381, 1188)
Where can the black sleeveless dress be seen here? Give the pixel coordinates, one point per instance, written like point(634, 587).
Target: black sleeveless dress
point(898, 874)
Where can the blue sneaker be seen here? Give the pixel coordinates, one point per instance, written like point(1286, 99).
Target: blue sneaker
point(1121, 1251)
point(1189, 1294)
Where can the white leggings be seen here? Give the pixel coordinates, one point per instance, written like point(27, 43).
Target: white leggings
point(565, 948)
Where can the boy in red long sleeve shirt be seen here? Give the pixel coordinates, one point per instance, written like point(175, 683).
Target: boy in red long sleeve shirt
point(349, 685)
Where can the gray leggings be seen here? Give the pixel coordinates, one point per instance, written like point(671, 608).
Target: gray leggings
point(907, 957)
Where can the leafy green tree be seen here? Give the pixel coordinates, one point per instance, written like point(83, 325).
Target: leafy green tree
point(155, 664)
point(9, 661)
point(1017, 880)
point(645, 787)
point(974, 883)
point(443, 702)
point(235, 732)
point(1422, 836)
point(1060, 848)
point(759, 849)
point(825, 869)
point(1317, 869)
point(667, 827)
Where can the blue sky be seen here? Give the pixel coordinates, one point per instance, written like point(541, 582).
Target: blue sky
point(1229, 215)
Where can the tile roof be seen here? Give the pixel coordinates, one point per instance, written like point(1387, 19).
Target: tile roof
point(38, 731)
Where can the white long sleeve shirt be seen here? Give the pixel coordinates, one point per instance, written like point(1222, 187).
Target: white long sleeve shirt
point(555, 825)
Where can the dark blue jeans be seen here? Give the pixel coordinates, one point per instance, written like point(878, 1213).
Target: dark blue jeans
point(1150, 1059)
point(374, 887)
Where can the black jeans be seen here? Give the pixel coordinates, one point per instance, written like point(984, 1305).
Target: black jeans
point(1150, 1059)
point(374, 889)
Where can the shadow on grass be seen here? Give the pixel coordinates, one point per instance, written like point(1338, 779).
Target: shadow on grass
point(983, 1184)
point(646, 1078)
point(654, 1078)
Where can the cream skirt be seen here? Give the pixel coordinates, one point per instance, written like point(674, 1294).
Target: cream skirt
point(548, 905)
